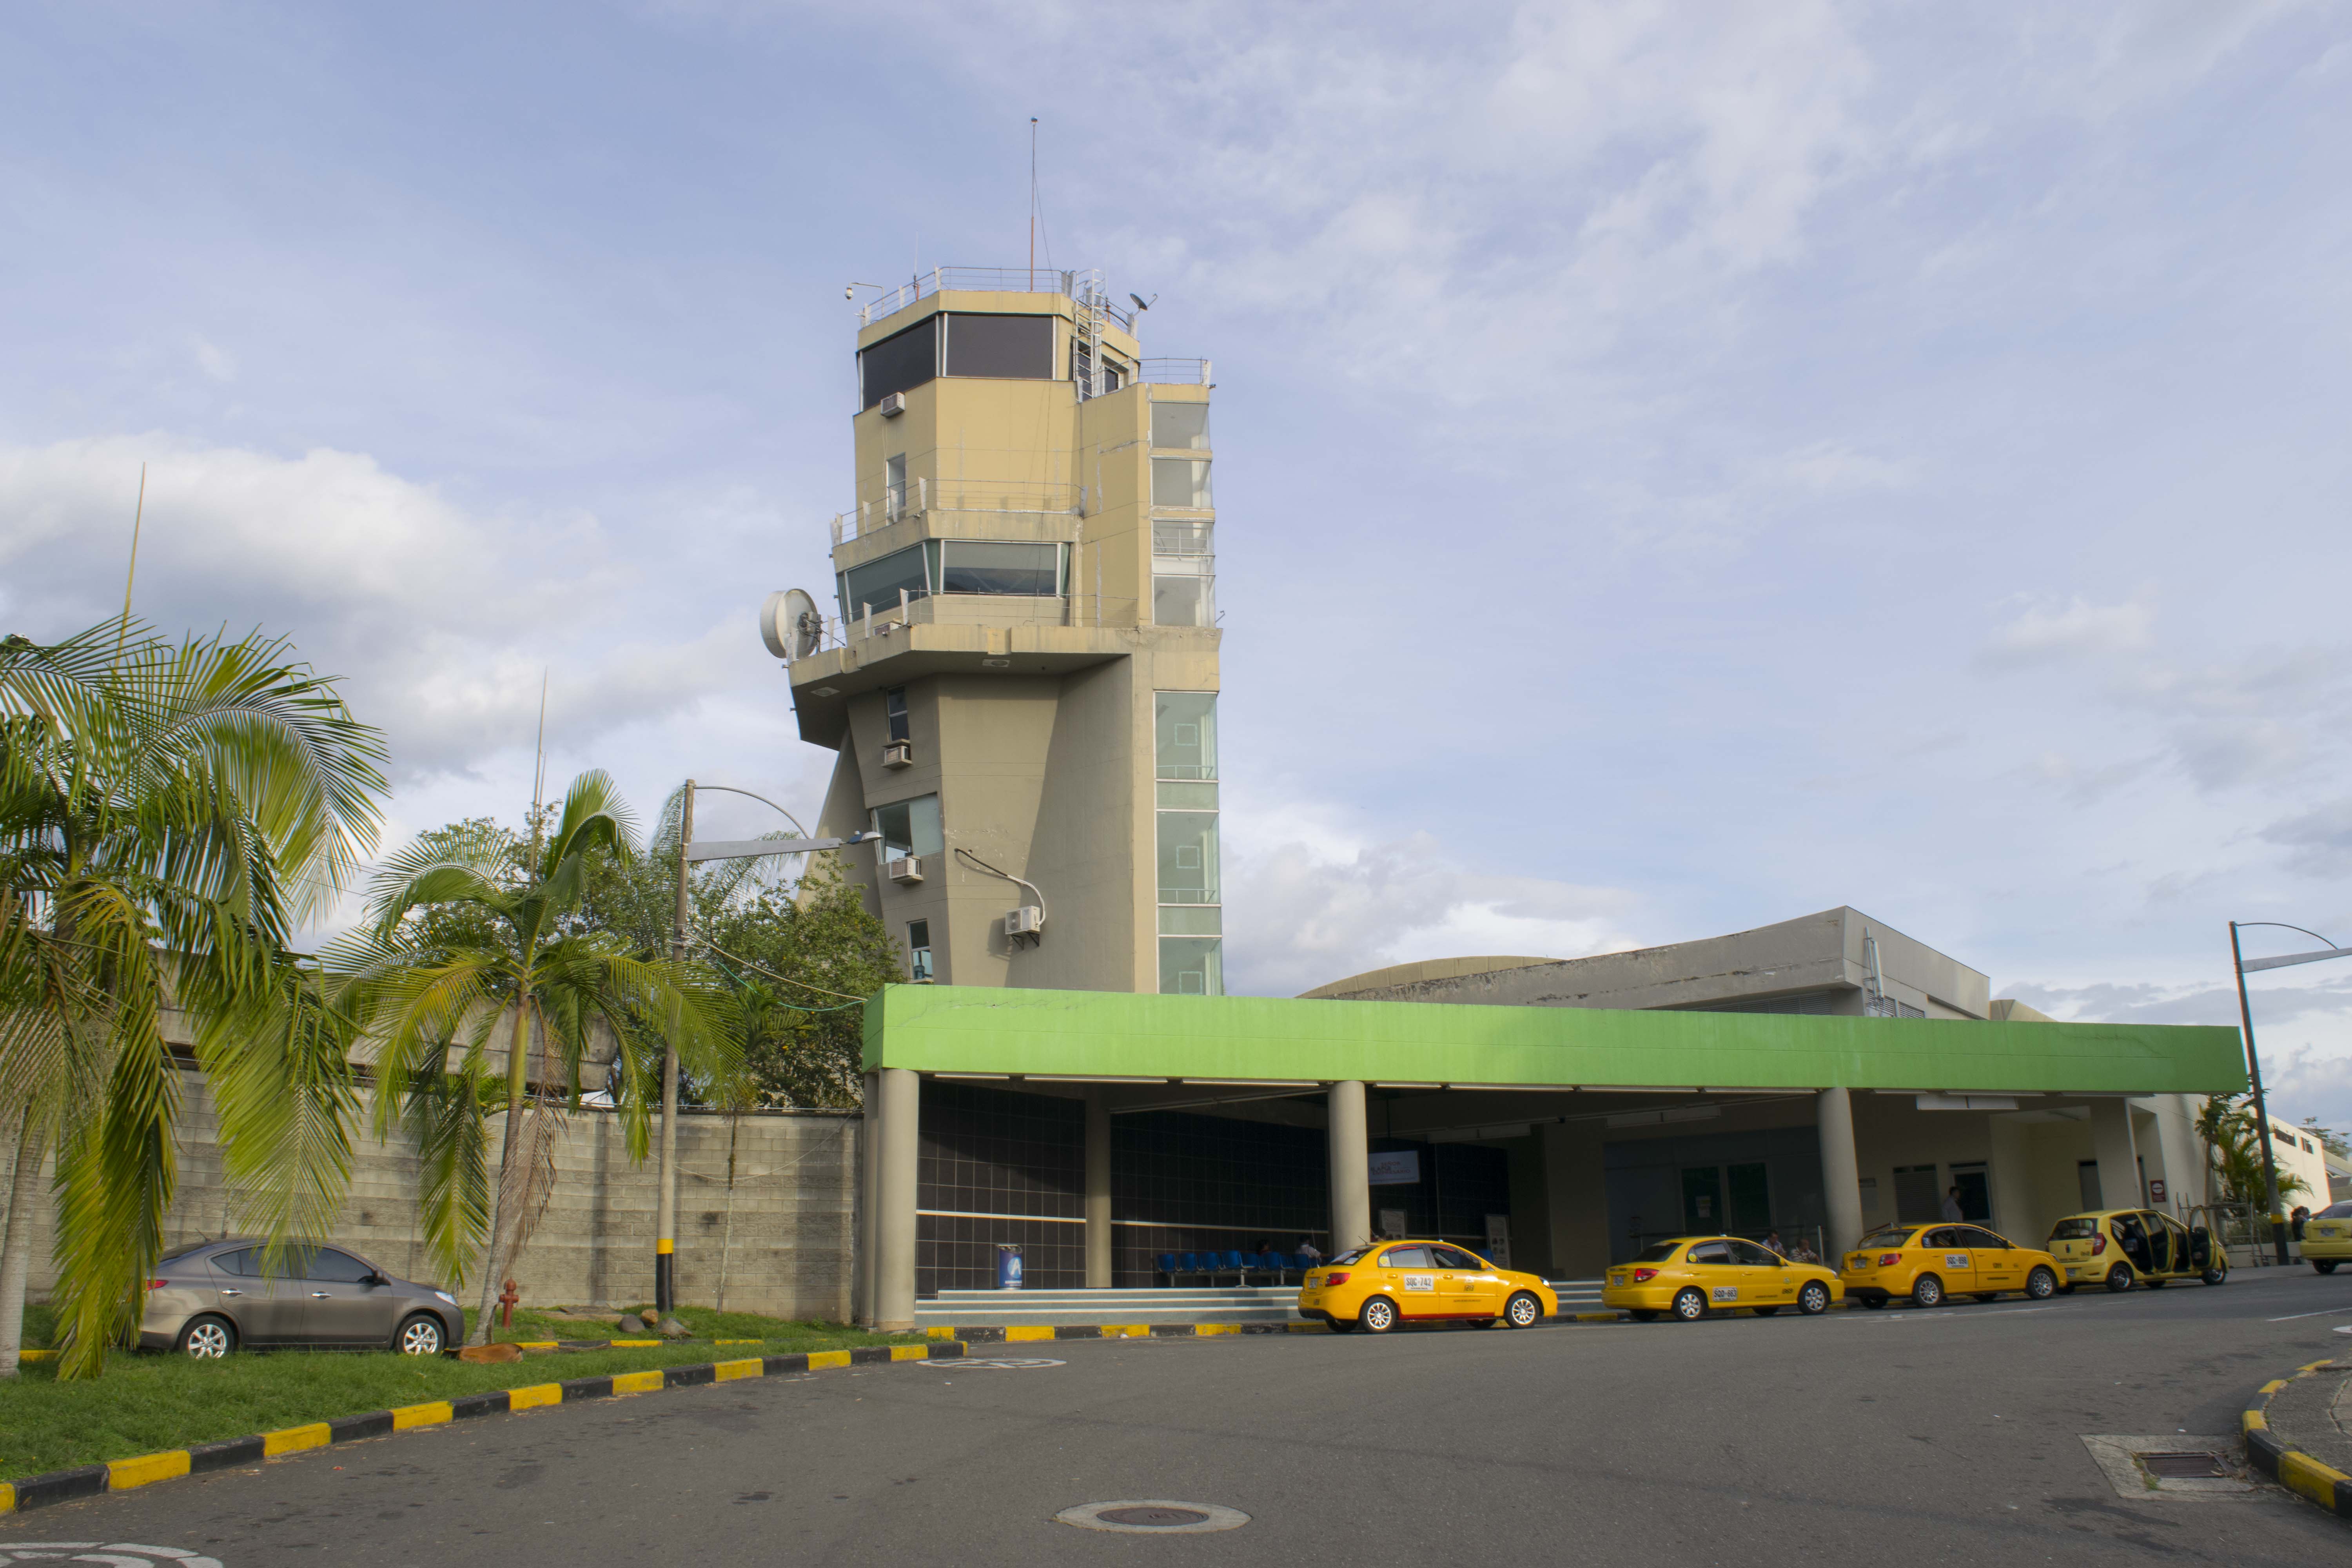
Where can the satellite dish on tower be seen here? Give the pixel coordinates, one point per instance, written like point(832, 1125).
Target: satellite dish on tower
point(790, 625)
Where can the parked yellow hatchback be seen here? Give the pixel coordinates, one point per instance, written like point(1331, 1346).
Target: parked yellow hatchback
point(1376, 1287)
point(2123, 1247)
point(1931, 1263)
point(2327, 1237)
point(1692, 1275)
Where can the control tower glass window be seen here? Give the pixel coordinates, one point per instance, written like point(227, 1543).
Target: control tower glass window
point(878, 583)
point(910, 827)
point(1182, 426)
point(1008, 347)
point(1184, 726)
point(894, 709)
point(1180, 482)
point(1192, 966)
point(899, 362)
point(1188, 857)
point(973, 567)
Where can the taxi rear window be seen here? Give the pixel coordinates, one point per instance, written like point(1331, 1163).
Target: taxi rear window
point(2078, 1229)
point(2335, 1211)
point(1353, 1254)
point(1657, 1252)
point(1893, 1237)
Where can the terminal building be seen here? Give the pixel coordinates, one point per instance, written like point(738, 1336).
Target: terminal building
point(1018, 676)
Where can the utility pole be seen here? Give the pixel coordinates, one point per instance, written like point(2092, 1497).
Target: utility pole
point(666, 1219)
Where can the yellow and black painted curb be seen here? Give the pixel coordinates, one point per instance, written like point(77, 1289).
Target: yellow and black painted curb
point(122, 1475)
point(2328, 1487)
point(1023, 1333)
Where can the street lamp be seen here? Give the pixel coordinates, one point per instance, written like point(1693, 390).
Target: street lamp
point(689, 853)
point(2255, 1061)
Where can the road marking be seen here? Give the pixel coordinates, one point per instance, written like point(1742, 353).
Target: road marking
point(2323, 1313)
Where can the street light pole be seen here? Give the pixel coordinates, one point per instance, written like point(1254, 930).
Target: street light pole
point(2262, 1107)
point(2253, 1060)
point(666, 1219)
point(689, 853)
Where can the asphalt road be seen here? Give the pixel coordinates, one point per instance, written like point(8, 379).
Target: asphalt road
point(1866, 1437)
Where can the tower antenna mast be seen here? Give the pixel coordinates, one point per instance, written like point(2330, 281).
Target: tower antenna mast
point(1032, 204)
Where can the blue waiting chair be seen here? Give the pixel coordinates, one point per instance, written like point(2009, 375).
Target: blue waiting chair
point(1301, 1262)
point(1272, 1263)
point(1167, 1265)
point(1186, 1263)
point(1239, 1264)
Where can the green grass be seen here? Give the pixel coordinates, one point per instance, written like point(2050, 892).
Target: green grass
point(704, 1324)
point(149, 1402)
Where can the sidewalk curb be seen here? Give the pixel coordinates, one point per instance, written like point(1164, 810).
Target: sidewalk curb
point(1026, 1334)
point(2330, 1487)
point(122, 1475)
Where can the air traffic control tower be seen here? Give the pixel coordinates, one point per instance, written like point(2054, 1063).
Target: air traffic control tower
point(1018, 664)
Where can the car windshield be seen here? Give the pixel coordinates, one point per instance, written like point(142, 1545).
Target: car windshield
point(1353, 1254)
point(1657, 1252)
point(2082, 1227)
point(2335, 1211)
point(1896, 1236)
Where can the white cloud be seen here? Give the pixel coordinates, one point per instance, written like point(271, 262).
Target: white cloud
point(1310, 899)
point(441, 620)
point(2046, 632)
point(213, 360)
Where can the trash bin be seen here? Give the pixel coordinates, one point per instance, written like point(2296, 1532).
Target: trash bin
point(1008, 1265)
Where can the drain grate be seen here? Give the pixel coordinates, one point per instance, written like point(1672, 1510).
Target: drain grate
point(2183, 1467)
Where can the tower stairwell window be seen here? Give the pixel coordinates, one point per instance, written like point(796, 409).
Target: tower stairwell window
point(1191, 916)
point(1180, 482)
point(910, 827)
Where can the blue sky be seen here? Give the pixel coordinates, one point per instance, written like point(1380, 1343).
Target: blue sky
point(1679, 468)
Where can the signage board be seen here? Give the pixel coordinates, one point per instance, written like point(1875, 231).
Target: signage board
point(1396, 1168)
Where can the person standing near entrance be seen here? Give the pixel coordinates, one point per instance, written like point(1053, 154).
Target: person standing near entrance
point(1952, 1212)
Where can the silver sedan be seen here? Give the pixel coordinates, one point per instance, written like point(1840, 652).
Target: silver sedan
point(206, 1300)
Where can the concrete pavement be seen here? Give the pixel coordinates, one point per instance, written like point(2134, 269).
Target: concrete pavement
point(1951, 1435)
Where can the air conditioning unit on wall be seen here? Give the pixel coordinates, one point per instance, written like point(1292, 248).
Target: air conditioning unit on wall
point(1028, 921)
point(899, 754)
point(893, 405)
point(908, 868)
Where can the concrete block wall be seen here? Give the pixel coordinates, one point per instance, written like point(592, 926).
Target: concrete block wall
point(779, 1241)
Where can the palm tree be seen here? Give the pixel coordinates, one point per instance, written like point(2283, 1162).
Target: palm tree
point(473, 932)
point(168, 816)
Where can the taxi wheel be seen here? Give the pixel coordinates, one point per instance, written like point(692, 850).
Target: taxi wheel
point(1927, 1291)
point(2119, 1278)
point(2040, 1285)
point(2215, 1276)
point(1378, 1317)
point(1813, 1300)
point(1642, 1314)
point(2324, 1265)
point(1522, 1311)
point(1690, 1307)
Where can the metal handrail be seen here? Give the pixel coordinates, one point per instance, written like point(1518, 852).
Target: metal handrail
point(1174, 372)
point(1084, 286)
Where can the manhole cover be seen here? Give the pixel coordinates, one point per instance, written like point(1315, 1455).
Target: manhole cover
point(2182, 1467)
point(1154, 1515)
point(1157, 1518)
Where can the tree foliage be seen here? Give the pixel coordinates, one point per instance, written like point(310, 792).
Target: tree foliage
point(478, 940)
point(2234, 1151)
point(169, 814)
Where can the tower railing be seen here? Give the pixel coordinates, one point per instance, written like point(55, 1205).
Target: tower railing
point(921, 495)
point(1084, 284)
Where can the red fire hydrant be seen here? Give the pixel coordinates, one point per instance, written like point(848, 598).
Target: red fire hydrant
point(506, 1299)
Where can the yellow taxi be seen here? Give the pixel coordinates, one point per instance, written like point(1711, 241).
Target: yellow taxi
point(1694, 1275)
point(1930, 1263)
point(2327, 1237)
point(1376, 1287)
point(2123, 1247)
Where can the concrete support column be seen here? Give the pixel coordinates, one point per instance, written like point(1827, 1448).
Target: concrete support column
point(1576, 1198)
point(893, 1218)
point(1351, 1164)
point(2118, 1156)
point(2017, 1207)
point(1841, 1171)
point(1099, 1252)
point(869, 1197)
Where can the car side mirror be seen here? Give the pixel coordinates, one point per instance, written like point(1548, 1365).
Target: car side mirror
point(375, 1279)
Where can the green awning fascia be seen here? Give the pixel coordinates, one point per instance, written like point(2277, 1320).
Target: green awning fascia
point(978, 1029)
